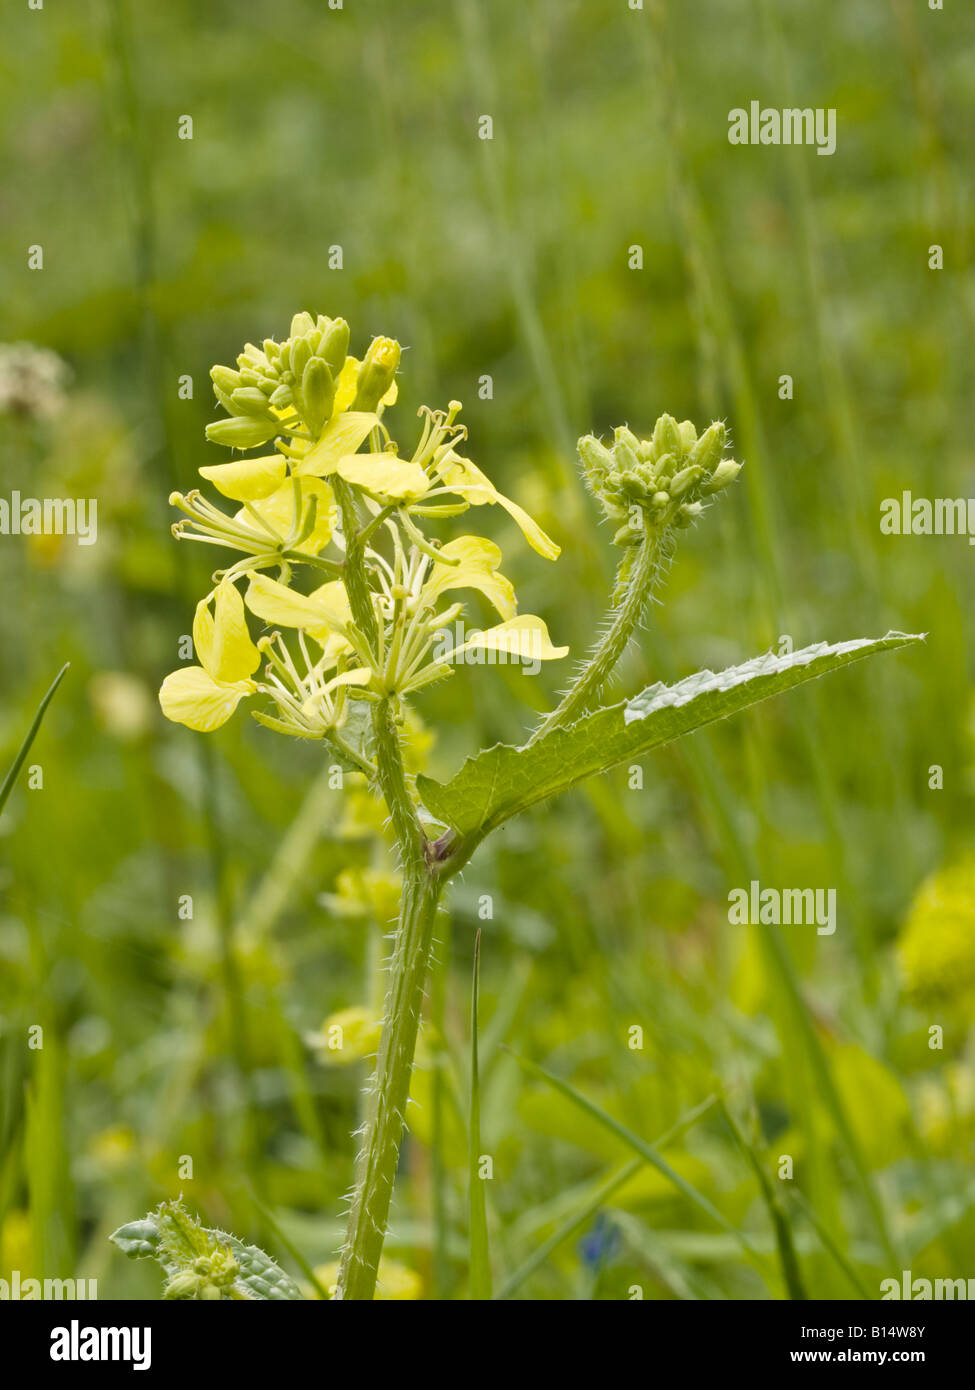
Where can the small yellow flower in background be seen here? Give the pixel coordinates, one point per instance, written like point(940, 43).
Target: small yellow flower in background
point(937, 942)
point(204, 697)
point(113, 1148)
point(371, 893)
point(122, 703)
point(395, 1283)
point(16, 1244)
point(347, 1036)
point(947, 1110)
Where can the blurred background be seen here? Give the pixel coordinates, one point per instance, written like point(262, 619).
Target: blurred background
point(169, 1037)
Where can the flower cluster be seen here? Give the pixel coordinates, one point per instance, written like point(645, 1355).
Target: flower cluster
point(336, 496)
point(655, 483)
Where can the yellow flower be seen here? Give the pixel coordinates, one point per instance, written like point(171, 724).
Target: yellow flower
point(937, 943)
point(526, 637)
point(461, 476)
point(395, 1283)
point(204, 697)
point(346, 1037)
point(280, 516)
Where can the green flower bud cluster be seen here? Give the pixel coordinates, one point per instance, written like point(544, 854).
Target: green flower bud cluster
point(209, 1278)
point(281, 388)
point(652, 484)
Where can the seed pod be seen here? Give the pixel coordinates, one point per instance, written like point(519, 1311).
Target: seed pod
point(317, 395)
point(709, 448)
point(334, 345)
point(725, 473)
point(249, 400)
point(241, 432)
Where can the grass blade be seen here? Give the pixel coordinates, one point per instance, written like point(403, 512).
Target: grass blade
point(788, 1258)
point(634, 1141)
point(598, 1198)
point(18, 762)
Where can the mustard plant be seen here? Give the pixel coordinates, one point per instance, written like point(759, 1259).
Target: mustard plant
point(343, 658)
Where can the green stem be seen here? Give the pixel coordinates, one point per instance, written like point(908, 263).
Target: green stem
point(390, 1086)
point(389, 1089)
point(585, 689)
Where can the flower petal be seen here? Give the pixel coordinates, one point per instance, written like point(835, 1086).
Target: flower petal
point(479, 560)
point(342, 435)
point(384, 475)
point(321, 614)
point(248, 479)
point(221, 639)
point(278, 511)
point(191, 697)
point(526, 637)
point(462, 476)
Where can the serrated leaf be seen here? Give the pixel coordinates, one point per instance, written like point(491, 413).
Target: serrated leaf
point(174, 1238)
point(503, 780)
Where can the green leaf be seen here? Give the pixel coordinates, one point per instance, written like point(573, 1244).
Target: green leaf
point(203, 1263)
point(502, 781)
point(18, 762)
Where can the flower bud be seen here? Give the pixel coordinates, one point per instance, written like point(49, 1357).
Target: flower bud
point(241, 432)
point(688, 514)
point(595, 457)
point(685, 479)
point(334, 345)
point(301, 354)
point(317, 395)
point(301, 324)
point(725, 473)
point(626, 455)
point(709, 448)
point(225, 379)
point(248, 400)
point(688, 435)
point(376, 373)
point(281, 397)
point(666, 436)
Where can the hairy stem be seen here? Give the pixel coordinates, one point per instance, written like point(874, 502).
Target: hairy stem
point(390, 1085)
point(389, 1088)
point(586, 688)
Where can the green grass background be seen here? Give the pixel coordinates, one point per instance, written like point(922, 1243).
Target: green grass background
point(165, 1038)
